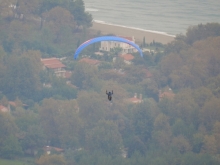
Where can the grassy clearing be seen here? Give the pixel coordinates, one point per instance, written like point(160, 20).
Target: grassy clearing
point(17, 162)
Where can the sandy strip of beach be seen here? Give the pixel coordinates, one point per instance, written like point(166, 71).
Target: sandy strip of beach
point(138, 34)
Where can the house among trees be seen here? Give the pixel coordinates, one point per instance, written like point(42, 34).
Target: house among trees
point(126, 48)
point(166, 94)
point(90, 61)
point(4, 109)
point(11, 105)
point(50, 149)
point(135, 99)
point(54, 65)
point(127, 58)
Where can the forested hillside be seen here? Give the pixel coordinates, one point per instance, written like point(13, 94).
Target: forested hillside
point(177, 121)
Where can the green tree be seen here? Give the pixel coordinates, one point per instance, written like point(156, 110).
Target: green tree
point(182, 144)
point(70, 125)
point(200, 32)
point(31, 132)
point(34, 138)
point(48, 112)
point(57, 19)
point(77, 9)
point(24, 118)
point(11, 148)
point(209, 145)
point(143, 119)
point(181, 128)
point(60, 122)
point(2, 55)
point(201, 95)
point(104, 137)
point(84, 76)
point(191, 158)
point(212, 84)
point(150, 88)
point(18, 32)
point(216, 133)
point(144, 42)
point(21, 77)
point(210, 113)
point(162, 123)
point(92, 108)
point(134, 145)
point(28, 7)
point(47, 5)
point(181, 78)
point(197, 142)
point(176, 46)
point(162, 131)
point(170, 63)
point(185, 107)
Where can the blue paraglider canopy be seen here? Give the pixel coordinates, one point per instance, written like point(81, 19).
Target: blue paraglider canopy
point(105, 38)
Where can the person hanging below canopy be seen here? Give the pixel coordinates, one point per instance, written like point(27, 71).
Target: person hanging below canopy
point(109, 95)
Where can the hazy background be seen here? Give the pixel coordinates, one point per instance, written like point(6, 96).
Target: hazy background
point(170, 16)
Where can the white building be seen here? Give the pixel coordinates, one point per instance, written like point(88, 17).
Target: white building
point(126, 48)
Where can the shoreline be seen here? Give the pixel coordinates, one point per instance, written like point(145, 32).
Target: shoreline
point(139, 34)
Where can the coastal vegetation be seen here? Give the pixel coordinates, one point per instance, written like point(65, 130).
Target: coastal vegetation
point(176, 122)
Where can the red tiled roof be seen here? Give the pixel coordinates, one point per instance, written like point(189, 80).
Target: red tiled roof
point(58, 149)
point(127, 57)
point(169, 95)
point(3, 108)
point(12, 103)
point(135, 100)
point(52, 63)
point(89, 61)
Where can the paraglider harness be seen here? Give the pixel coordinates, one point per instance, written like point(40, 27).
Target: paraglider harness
point(109, 95)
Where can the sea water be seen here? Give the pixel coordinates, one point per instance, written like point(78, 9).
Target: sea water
point(163, 16)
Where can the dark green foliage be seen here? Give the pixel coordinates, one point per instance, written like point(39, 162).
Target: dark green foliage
point(20, 79)
point(191, 159)
point(93, 131)
point(105, 138)
point(8, 45)
point(135, 144)
point(76, 8)
point(84, 76)
point(180, 128)
point(202, 32)
point(143, 121)
point(61, 92)
point(10, 148)
point(9, 144)
point(45, 48)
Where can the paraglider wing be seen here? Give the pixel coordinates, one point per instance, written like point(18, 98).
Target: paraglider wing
point(105, 38)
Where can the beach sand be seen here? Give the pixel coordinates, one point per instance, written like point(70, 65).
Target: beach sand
point(138, 34)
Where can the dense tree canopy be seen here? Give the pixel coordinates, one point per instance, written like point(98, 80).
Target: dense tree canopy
point(75, 115)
